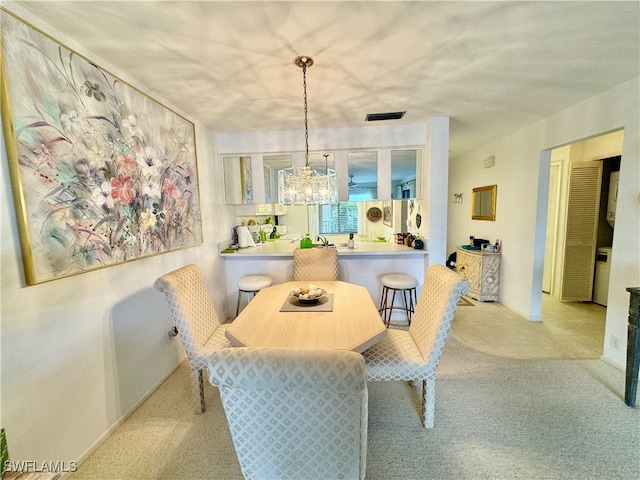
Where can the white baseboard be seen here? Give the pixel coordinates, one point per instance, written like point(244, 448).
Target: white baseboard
point(614, 364)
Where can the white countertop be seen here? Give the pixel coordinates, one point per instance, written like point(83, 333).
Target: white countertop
point(285, 248)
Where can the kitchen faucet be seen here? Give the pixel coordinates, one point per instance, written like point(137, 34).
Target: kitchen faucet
point(325, 242)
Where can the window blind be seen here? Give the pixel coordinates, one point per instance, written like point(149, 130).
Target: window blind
point(338, 218)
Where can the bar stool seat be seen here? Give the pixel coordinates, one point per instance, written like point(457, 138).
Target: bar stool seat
point(398, 282)
point(251, 284)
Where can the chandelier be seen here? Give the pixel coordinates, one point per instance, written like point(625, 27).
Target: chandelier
point(306, 185)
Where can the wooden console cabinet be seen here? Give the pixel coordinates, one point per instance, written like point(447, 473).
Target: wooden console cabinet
point(482, 270)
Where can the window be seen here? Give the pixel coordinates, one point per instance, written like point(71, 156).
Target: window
point(338, 218)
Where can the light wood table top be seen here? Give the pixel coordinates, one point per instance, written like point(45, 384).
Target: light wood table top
point(354, 324)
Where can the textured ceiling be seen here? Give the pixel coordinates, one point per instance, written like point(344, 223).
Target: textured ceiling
point(493, 67)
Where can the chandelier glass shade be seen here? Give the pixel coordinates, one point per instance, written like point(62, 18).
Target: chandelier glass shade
point(307, 185)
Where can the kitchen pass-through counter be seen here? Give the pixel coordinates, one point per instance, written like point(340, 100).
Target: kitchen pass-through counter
point(363, 265)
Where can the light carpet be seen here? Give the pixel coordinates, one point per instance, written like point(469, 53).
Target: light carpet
point(495, 419)
point(572, 331)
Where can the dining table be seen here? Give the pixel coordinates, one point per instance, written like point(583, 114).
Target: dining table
point(344, 318)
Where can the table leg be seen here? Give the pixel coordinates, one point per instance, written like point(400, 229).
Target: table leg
point(633, 365)
point(633, 348)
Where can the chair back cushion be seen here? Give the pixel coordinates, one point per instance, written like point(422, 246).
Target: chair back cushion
point(441, 290)
point(190, 306)
point(294, 413)
point(311, 264)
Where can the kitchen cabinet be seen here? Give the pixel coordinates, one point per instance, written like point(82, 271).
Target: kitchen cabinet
point(482, 270)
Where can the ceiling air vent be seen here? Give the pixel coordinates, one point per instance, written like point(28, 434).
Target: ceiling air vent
point(374, 117)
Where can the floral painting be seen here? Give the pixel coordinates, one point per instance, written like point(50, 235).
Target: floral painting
point(102, 174)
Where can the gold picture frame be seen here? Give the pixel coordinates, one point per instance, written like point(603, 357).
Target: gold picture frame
point(101, 173)
point(483, 203)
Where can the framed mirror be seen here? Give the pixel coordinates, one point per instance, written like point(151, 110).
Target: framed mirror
point(483, 203)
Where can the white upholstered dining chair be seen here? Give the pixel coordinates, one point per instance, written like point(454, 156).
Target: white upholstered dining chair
point(294, 413)
point(196, 321)
point(311, 264)
point(414, 354)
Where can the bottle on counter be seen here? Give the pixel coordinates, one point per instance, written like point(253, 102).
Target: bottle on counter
point(350, 242)
point(498, 245)
point(274, 234)
point(471, 238)
point(418, 244)
point(409, 239)
point(306, 242)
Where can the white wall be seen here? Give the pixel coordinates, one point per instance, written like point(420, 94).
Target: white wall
point(437, 193)
point(79, 353)
point(521, 208)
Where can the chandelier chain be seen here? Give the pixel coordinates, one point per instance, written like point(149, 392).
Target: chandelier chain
point(306, 123)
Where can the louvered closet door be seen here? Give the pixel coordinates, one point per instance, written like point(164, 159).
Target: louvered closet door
point(581, 230)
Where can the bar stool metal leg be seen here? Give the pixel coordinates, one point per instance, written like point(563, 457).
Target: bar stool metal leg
point(398, 282)
point(238, 304)
point(408, 304)
point(240, 292)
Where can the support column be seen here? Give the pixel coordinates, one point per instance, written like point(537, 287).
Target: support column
point(436, 179)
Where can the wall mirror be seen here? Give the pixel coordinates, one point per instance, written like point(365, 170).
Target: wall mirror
point(238, 182)
point(404, 173)
point(483, 203)
point(272, 164)
point(248, 178)
point(363, 175)
point(324, 164)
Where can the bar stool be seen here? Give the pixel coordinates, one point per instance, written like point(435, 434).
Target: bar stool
point(397, 282)
point(251, 284)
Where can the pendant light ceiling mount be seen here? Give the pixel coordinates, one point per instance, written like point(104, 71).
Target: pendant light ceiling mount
point(303, 61)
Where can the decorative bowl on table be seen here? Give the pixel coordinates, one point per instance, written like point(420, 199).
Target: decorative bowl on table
point(307, 293)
